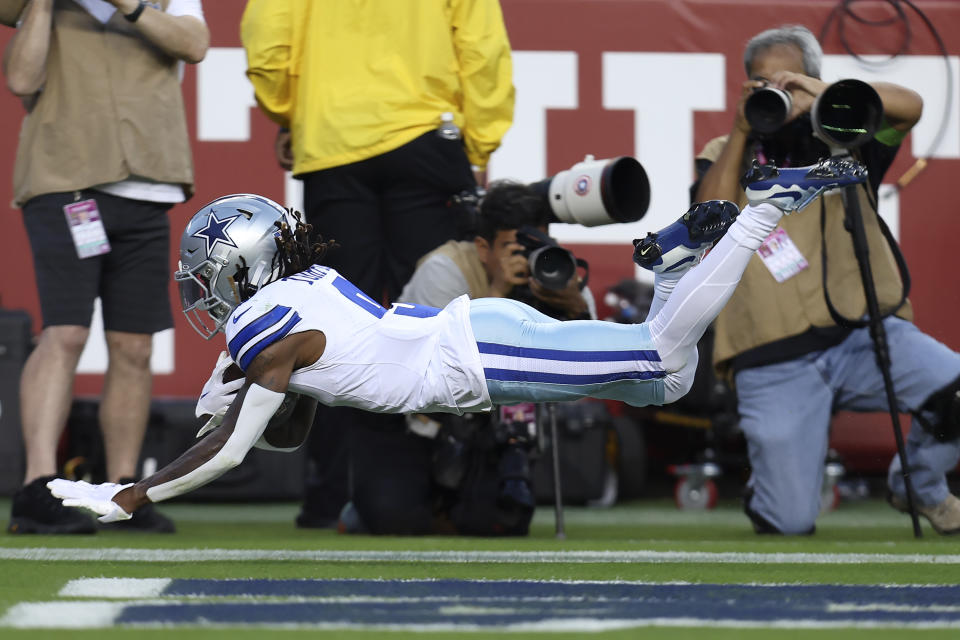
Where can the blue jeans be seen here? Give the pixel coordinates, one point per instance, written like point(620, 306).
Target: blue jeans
point(785, 411)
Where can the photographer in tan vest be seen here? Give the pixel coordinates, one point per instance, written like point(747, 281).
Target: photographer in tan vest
point(792, 364)
point(103, 155)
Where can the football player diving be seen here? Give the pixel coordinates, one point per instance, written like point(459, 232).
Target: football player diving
point(301, 333)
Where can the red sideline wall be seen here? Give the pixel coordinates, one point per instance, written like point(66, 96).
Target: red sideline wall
point(929, 223)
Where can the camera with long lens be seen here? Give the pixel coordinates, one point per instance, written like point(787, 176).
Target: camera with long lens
point(591, 193)
point(847, 114)
point(550, 264)
point(767, 109)
point(597, 192)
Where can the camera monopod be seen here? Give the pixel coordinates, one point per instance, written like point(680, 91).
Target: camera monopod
point(551, 411)
point(846, 115)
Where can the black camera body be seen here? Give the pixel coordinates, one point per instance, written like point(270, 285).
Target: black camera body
point(552, 265)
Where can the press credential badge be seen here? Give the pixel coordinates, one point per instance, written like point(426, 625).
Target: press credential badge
point(781, 256)
point(89, 236)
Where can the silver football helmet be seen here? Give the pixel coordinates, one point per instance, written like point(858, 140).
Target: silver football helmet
point(227, 252)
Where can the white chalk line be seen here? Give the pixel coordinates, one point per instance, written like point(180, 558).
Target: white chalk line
point(120, 554)
point(99, 614)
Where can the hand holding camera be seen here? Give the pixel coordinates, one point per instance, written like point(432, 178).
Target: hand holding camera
point(771, 103)
point(511, 271)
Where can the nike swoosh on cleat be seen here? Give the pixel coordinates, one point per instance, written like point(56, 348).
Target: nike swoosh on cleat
point(645, 250)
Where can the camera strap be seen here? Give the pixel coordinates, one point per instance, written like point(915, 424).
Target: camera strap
point(839, 318)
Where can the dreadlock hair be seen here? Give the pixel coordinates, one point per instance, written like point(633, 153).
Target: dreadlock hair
point(295, 251)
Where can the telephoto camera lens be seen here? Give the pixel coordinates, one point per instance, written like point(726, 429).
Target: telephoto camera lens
point(767, 109)
point(552, 266)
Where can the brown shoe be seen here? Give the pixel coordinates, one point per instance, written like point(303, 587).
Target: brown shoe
point(945, 517)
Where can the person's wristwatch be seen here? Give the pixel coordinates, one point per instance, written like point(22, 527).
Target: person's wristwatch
point(135, 14)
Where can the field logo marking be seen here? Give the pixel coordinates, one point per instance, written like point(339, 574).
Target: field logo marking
point(508, 605)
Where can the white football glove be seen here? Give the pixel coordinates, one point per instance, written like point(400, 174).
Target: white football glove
point(217, 395)
point(94, 497)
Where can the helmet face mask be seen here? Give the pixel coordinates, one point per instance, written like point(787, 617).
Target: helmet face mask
point(204, 310)
point(227, 252)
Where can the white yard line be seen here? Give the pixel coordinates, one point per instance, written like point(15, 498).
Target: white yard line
point(114, 588)
point(62, 615)
point(120, 554)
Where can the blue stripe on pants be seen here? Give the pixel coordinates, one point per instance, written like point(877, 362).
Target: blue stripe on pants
point(530, 357)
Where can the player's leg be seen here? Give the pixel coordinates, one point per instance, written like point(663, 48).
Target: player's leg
point(526, 357)
point(695, 299)
point(675, 249)
point(701, 293)
point(529, 356)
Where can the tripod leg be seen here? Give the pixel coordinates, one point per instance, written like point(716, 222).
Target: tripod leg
point(879, 335)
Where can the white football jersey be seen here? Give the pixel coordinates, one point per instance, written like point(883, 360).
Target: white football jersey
point(408, 358)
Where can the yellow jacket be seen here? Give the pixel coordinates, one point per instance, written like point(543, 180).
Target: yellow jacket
point(353, 79)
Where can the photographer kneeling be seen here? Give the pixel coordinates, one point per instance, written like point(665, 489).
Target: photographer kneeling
point(792, 362)
point(465, 474)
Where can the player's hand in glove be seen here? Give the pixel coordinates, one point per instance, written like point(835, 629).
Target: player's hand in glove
point(95, 497)
point(219, 392)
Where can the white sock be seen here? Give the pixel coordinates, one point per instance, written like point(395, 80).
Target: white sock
point(701, 293)
point(663, 286)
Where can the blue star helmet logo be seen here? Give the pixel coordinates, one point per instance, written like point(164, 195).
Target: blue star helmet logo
point(216, 231)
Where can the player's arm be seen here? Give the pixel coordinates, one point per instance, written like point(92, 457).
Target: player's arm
point(257, 401)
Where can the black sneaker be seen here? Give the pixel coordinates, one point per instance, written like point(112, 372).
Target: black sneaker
point(35, 510)
point(682, 244)
point(146, 519)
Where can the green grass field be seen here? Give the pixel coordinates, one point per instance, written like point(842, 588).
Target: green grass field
point(854, 545)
